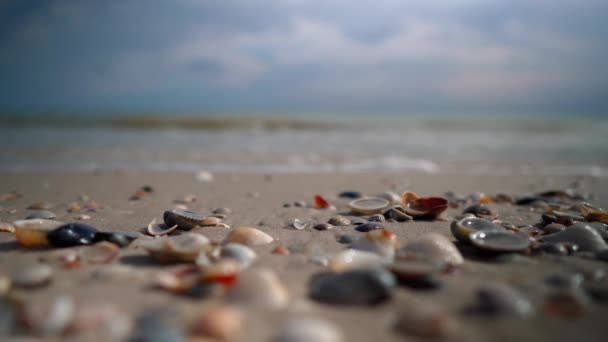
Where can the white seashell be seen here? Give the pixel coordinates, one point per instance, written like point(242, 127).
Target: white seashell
point(298, 224)
point(248, 236)
point(369, 205)
point(259, 288)
point(434, 247)
point(390, 196)
point(308, 329)
point(355, 259)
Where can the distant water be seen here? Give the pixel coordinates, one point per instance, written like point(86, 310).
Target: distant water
point(434, 145)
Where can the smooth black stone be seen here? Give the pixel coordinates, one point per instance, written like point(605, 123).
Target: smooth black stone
point(346, 239)
point(357, 221)
point(73, 234)
point(525, 200)
point(350, 194)
point(423, 283)
point(357, 287)
point(118, 238)
point(552, 248)
point(366, 227)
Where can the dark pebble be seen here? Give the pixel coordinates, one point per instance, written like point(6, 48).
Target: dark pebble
point(358, 221)
point(350, 194)
point(553, 228)
point(322, 226)
point(366, 227)
point(346, 239)
point(118, 238)
point(422, 283)
point(357, 287)
point(552, 248)
point(72, 234)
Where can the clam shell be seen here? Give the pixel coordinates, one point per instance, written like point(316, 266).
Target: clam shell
point(33, 233)
point(159, 229)
point(363, 287)
point(180, 248)
point(248, 236)
point(499, 241)
point(184, 219)
point(308, 329)
point(32, 275)
point(499, 299)
point(241, 253)
point(433, 247)
point(259, 288)
point(355, 259)
point(462, 229)
point(580, 234)
point(368, 205)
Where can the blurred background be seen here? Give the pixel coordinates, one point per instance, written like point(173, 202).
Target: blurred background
point(305, 86)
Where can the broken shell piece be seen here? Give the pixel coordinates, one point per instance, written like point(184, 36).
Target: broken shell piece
point(7, 227)
point(224, 323)
point(179, 280)
point(224, 272)
point(101, 253)
point(397, 213)
point(298, 224)
point(424, 208)
point(369, 205)
point(180, 248)
point(433, 247)
point(259, 288)
point(355, 259)
point(248, 236)
point(33, 233)
point(211, 221)
point(159, 229)
point(321, 203)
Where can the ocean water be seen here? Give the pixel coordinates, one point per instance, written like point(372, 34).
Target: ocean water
point(433, 145)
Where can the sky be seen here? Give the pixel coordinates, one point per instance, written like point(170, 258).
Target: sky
point(324, 56)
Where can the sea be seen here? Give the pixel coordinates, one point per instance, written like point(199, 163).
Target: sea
point(300, 144)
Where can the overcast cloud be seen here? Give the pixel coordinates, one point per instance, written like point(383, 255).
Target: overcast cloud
point(416, 56)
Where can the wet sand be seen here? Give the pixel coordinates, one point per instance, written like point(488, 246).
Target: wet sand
point(257, 200)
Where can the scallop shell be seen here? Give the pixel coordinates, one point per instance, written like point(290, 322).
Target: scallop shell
point(180, 248)
point(463, 228)
point(259, 288)
point(248, 236)
point(368, 205)
point(433, 247)
point(580, 234)
point(184, 219)
point(499, 241)
point(355, 259)
point(33, 233)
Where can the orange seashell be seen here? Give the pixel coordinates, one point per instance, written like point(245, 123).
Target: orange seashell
point(408, 197)
point(321, 203)
point(427, 207)
point(281, 250)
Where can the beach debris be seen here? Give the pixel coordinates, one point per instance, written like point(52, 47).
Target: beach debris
point(308, 329)
point(248, 236)
point(339, 220)
point(369, 226)
point(480, 210)
point(100, 253)
point(280, 250)
point(321, 203)
point(241, 253)
point(175, 249)
point(392, 197)
point(32, 275)
point(7, 227)
point(432, 247)
point(159, 229)
point(581, 234)
point(499, 241)
point(259, 288)
point(298, 224)
point(368, 205)
point(224, 323)
point(183, 219)
point(350, 194)
point(397, 213)
point(33, 233)
point(41, 214)
point(424, 319)
point(72, 234)
point(462, 229)
point(355, 259)
point(362, 287)
point(323, 226)
point(500, 299)
point(425, 207)
point(204, 176)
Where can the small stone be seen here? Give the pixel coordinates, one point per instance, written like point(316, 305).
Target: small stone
point(366, 227)
point(350, 194)
point(355, 287)
point(323, 226)
point(40, 206)
point(425, 320)
point(565, 281)
point(83, 217)
point(281, 250)
point(553, 228)
point(358, 221)
point(552, 248)
point(339, 221)
point(41, 214)
point(346, 239)
point(498, 299)
point(222, 211)
point(300, 204)
point(377, 218)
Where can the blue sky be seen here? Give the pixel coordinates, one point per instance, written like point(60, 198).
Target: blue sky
point(387, 56)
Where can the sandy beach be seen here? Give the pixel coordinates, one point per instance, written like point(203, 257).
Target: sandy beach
point(258, 200)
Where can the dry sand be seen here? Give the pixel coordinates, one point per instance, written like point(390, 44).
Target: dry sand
point(257, 200)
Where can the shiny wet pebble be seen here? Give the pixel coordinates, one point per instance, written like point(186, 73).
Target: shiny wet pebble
point(355, 287)
point(72, 234)
point(366, 227)
point(502, 300)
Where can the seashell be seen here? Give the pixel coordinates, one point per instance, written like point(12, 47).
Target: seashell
point(33, 233)
point(380, 241)
point(462, 229)
point(323, 226)
point(366, 227)
point(259, 288)
point(339, 221)
point(425, 320)
point(308, 329)
point(397, 213)
point(350, 194)
point(321, 203)
point(355, 259)
point(83, 217)
point(179, 280)
point(32, 275)
point(480, 210)
point(248, 236)
point(281, 250)
point(499, 299)
point(211, 221)
point(414, 270)
point(180, 248)
point(391, 197)
point(40, 206)
point(184, 219)
point(298, 224)
point(157, 325)
point(101, 253)
point(499, 241)
point(377, 218)
point(585, 237)
point(368, 205)
point(424, 208)
point(7, 227)
point(72, 234)
point(435, 248)
point(159, 229)
point(41, 214)
point(224, 323)
point(51, 321)
point(241, 253)
point(224, 272)
point(363, 287)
